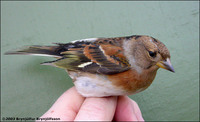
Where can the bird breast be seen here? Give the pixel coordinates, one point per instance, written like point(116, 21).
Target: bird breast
point(96, 85)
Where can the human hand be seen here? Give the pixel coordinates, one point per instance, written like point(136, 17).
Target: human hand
point(72, 106)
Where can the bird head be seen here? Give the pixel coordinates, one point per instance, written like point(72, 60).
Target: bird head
point(148, 53)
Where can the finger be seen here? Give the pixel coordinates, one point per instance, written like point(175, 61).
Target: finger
point(67, 106)
point(137, 110)
point(125, 110)
point(101, 109)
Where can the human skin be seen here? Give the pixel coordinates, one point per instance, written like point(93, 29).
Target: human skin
point(72, 106)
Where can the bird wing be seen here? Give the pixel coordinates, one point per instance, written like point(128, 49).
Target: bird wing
point(108, 59)
point(103, 58)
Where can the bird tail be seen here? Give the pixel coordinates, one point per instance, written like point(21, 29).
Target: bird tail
point(37, 50)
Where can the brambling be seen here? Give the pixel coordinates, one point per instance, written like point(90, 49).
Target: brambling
point(107, 66)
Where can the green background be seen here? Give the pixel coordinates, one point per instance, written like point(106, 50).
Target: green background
point(29, 89)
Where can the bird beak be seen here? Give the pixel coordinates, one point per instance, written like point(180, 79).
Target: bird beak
point(166, 65)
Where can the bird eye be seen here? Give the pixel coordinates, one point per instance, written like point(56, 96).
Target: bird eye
point(152, 54)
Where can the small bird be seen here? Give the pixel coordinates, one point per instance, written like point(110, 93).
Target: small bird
point(107, 66)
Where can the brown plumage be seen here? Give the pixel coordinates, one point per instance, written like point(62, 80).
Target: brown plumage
point(108, 66)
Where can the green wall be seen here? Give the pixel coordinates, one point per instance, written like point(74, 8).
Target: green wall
point(29, 89)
